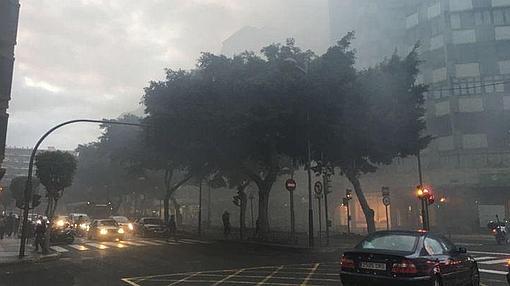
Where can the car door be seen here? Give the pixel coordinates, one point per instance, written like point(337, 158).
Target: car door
point(438, 253)
point(461, 259)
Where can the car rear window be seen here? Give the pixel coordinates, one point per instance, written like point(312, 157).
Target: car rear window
point(121, 219)
point(107, 223)
point(152, 221)
point(395, 242)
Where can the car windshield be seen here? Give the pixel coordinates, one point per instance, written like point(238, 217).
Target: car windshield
point(152, 221)
point(121, 219)
point(107, 223)
point(395, 242)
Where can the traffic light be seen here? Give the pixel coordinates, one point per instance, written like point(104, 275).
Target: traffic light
point(36, 200)
point(348, 194)
point(345, 202)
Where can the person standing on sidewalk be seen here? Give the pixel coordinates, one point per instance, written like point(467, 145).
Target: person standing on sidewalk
point(9, 225)
point(172, 228)
point(2, 226)
point(226, 224)
point(40, 229)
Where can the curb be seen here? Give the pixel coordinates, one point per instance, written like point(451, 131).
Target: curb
point(31, 259)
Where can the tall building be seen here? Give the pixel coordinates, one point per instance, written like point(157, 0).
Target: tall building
point(9, 12)
point(465, 48)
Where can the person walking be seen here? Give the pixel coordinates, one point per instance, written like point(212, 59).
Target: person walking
point(172, 229)
point(226, 223)
point(2, 226)
point(9, 225)
point(40, 229)
point(16, 226)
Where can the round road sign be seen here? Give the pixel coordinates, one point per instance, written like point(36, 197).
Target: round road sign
point(386, 200)
point(290, 185)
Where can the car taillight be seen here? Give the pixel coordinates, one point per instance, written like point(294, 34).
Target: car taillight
point(404, 267)
point(347, 263)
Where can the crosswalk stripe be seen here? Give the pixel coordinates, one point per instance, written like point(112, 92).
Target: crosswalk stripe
point(493, 271)
point(115, 244)
point(132, 243)
point(59, 249)
point(150, 242)
point(78, 247)
point(484, 258)
point(100, 246)
point(490, 262)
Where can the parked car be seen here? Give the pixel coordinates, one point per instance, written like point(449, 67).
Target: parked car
point(105, 229)
point(408, 258)
point(124, 223)
point(150, 226)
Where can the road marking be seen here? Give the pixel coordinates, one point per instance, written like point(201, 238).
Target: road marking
point(270, 275)
point(184, 279)
point(305, 282)
point(484, 258)
point(490, 262)
point(129, 282)
point(197, 241)
point(132, 243)
point(115, 244)
point(78, 247)
point(59, 249)
point(489, 253)
point(149, 242)
point(99, 246)
point(493, 271)
point(228, 277)
point(167, 242)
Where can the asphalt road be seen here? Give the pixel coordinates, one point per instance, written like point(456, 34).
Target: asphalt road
point(193, 262)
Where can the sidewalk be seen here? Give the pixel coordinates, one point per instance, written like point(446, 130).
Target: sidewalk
point(9, 250)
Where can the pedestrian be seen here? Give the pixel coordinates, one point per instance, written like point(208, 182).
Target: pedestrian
point(9, 225)
point(16, 225)
point(172, 228)
point(2, 226)
point(226, 223)
point(40, 229)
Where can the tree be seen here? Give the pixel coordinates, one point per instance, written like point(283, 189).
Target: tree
point(17, 189)
point(55, 170)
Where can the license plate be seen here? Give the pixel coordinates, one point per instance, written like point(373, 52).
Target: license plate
point(373, 266)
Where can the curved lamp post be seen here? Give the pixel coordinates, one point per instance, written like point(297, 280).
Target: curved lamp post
point(28, 185)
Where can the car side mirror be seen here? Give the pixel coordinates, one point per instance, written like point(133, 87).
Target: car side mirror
point(462, 250)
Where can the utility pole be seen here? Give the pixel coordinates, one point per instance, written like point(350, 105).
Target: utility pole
point(326, 181)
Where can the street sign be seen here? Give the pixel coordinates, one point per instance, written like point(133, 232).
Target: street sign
point(386, 201)
point(290, 185)
point(318, 188)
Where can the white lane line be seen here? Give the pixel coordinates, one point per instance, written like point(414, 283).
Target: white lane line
point(150, 242)
point(270, 275)
point(491, 262)
point(184, 279)
point(132, 243)
point(167, 242)
point(78, 247)
point(484, 258)
point(196, 241)
point(129, 282)
point(315, 266)
point(59, 249)
point(99, 246)
point(228, 277)
point(493, 271)
point(114, 244)
point(489, 253)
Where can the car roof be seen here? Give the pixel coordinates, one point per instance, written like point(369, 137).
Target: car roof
point(405, 232)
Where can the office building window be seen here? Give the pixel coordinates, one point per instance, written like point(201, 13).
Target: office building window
point(442, 108)
point(483, 18)
point(455, 21)
point(434, 10)
point(439, 75)
point(436, 42)
point(500, 3)
point(507, 15)
point(444, 143)
point(412, 20)
point(464, 36)
point(460, 5)
point(506, 102)
point(474, 141)
point(499, 18)
point(502, 33)
point(467, 70)
point(470, 104)
point(504, 67)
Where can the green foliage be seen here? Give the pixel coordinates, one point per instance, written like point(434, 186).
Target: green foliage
point(18, 184)
point(55, 170)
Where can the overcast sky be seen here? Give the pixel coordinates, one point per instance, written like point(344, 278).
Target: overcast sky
point(92, 58)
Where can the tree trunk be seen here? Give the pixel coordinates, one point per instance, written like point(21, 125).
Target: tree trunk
point(369, 213)
point(166, 208)
point(52, 206)
point(242, 210)
point(178, 214)
point(263, 219)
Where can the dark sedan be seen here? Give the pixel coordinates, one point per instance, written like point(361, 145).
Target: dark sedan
point(408, 258)
point(149, 226)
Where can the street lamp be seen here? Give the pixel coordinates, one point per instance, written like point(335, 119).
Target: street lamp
point(309, 160)
point(28, 185)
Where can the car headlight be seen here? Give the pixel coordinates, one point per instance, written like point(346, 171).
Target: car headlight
point(60, 223)
point(121, 231)
point(130, 226)
point(83, 226)
point(103, 231)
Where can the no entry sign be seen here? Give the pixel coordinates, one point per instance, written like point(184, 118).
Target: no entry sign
point(290, 185)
